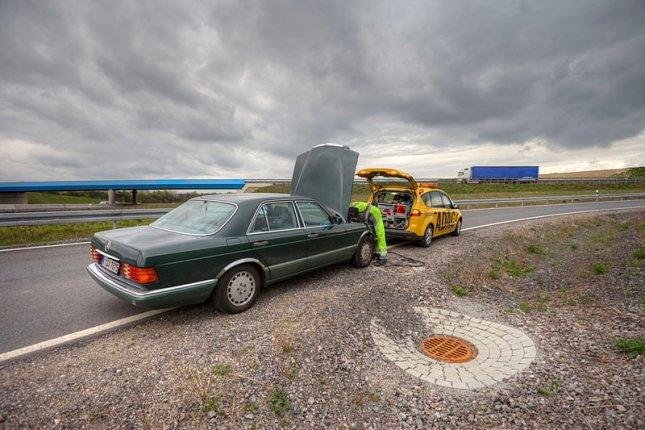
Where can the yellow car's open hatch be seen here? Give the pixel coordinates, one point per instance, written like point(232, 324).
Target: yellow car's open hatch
point(387, 178)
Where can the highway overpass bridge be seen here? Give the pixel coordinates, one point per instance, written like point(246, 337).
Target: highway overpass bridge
point(16, 192)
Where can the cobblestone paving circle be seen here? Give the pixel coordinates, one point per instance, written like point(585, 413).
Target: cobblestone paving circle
point(503, 351)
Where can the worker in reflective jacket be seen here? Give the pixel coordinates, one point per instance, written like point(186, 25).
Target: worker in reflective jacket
point(376, 220)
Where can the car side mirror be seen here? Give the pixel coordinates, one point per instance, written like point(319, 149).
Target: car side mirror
point(336, 219)
point(455, 206)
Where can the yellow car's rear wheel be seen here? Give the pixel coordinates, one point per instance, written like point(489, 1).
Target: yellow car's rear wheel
point(426, 240)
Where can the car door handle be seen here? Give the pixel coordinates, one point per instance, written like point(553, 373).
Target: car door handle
point(312, 235)
point(261, 243)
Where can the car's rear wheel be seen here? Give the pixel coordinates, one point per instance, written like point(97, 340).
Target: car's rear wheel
point(457, 230)
point(426, 240)
point(237, 289)
point(364, 252)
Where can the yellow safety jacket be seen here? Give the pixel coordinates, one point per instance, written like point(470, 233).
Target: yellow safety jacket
point(379, 230)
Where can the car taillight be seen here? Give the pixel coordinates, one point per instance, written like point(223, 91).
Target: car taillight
point(415, 212)
point(96, 256)
point(140, 275)
point(400, 209)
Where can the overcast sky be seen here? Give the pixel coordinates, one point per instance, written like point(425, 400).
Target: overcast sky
point(236, 89)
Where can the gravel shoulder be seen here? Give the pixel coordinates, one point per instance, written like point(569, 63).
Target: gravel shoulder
point(303, 356)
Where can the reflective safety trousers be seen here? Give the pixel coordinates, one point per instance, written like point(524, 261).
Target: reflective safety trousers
point(379, 230)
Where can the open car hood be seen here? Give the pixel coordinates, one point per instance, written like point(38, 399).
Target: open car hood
point(326, 173)
point(384, 178)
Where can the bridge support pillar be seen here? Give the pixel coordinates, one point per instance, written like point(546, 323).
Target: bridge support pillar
point(134, 196)
point(13, 198)
point(111, 197)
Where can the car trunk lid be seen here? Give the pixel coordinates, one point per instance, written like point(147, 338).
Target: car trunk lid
point(134, 244)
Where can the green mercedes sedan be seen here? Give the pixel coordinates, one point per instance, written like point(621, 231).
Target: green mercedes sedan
point(224, 248)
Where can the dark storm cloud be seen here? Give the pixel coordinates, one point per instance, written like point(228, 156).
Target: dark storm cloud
point(508, 72)
point(238, 88)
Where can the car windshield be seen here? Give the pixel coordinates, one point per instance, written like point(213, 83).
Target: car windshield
point(196, 217)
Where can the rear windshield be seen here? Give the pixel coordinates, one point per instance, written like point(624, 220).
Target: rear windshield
point(196, 217)
point(386, 180)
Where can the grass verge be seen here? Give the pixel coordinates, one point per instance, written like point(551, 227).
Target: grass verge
point(561, 263)
point(38, 234)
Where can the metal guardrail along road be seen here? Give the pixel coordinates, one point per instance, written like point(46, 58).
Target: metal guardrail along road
point(548, 199)
point(64, 217)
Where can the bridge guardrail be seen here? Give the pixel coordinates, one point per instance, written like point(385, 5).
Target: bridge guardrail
point(65, 217)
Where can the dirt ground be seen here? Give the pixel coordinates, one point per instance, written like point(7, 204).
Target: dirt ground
point(304, 357)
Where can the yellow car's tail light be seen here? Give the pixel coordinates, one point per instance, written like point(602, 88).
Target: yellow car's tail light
point(415, 212)
point(140, 275)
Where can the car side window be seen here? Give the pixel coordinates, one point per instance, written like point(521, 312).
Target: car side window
point(446, 201)
point(280, 216)
point(435, 199)
point(426, 199)
point(312, 214)
point(260, 223)
point(275, 216)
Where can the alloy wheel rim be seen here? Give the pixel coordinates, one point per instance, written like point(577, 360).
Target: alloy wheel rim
point(429, 235)
point(366, 251)
point(240, 288)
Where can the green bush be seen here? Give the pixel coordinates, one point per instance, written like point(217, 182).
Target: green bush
point(535, 249)
point(461, 292)
point(222, 369)
point(631, 346)
point(599, 268)
point(638, 254)
point(279, 400)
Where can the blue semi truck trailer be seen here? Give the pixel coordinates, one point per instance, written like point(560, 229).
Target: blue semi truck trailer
point(512, 174)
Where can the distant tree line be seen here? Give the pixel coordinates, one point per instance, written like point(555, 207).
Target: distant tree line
point(636, 172)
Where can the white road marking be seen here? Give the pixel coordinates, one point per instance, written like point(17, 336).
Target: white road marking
point(44, 246)
point(78, 335)
point(549, 216)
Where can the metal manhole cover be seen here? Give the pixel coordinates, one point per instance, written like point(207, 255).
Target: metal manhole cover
point(448, 348)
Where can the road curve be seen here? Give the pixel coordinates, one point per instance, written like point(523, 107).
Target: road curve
point(47, 293)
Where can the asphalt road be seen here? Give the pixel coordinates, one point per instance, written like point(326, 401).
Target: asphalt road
point(46, 292)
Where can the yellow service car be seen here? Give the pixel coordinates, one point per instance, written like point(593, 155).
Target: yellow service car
point(411, 210)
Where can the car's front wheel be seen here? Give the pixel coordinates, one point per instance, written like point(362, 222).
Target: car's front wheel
point(364, 252)
point(237, 289)
point(426, 240)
